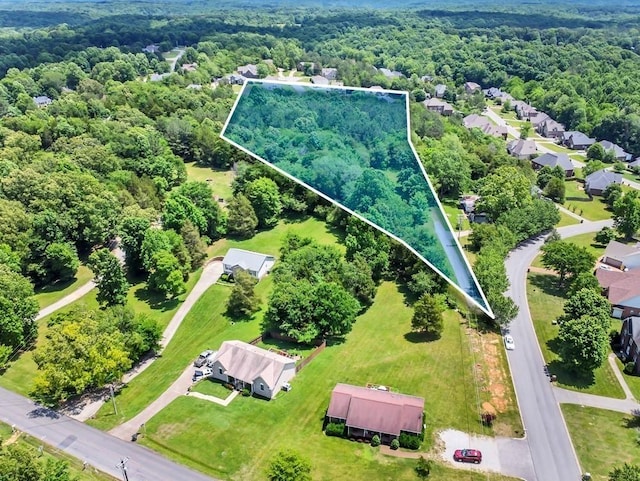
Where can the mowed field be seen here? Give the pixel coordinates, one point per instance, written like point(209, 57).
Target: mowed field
point(237, 441)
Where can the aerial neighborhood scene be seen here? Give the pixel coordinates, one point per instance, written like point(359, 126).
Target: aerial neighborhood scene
point(296, 241)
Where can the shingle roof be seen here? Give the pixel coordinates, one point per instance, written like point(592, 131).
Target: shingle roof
point(618, 250)
point(621, 286)
point(581, 139)
point(376, 411)
point(600, 179)
point(522, 147)
point(249, 68)
point(618, 151)
point(553, 160)
point(247, 260)
point(319, 80)
point(246, 362)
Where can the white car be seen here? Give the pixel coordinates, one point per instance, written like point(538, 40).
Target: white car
point(509, 344)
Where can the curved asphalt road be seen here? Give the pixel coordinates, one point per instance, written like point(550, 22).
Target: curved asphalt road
point(99, 449)
point(553, 456)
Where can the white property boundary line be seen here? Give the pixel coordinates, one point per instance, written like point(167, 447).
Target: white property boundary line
point(487, 310)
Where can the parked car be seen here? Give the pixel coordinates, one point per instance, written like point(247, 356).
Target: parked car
point(201, 373)
point(467, 456)
point(509, 343)
point(202, 358)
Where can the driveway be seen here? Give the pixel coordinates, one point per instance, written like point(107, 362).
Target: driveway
point(552, 452)
point(501, 455)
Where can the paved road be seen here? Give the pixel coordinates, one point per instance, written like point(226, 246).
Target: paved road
point(65, 301)
point(552, 453)
point(99, 449)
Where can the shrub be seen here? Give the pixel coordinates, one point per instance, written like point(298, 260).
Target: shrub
point(629, 368)
point(335, 429)
point(246, 392)
point(395, 444)
point(375, 441)
point(5, 355)
point(410, 441)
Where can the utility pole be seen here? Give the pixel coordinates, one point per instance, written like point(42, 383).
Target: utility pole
point(113, 398)
point(123, 467)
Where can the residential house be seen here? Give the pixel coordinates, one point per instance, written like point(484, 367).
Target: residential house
point(440, 90)
point(189, 67)
point(468, 203)
point(437, 105)
point(250, 367)
point(367, 412)
point(471, 87)
point(618, 152)
point(621, 256)
point(194, 87)
point(522, 149)
point(553, 160)
point(319, 80)
point(622, 289)
point(597, 182)
point(390, 74)
point(42, 101)
point(634, 164)
point(538, 118)
point(492, 92)
point(248, 71)
point(523, 109)
point(630, 341)
point(234, 79)
point(483, 123)
point(550, 129)
point(305, 66)
point(329, 73)
point(426, 78)
point(577, 140)
point(256, 264)
point(151, 49)
point(158, 77)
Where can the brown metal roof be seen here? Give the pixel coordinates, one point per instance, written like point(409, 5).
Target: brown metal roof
point(376, 411)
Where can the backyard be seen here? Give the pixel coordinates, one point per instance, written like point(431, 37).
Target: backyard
point(603, 439)
point(545, 303)
point(579, 202)
point(218, 180)
point(381, 349)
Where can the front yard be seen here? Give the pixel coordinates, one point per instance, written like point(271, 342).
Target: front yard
point(603, 439)
point(579, 202)
point(545, 303)
point(236, 442)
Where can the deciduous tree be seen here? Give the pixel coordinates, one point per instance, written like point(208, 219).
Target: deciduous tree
point(110, 278)
point(567, 259)
point(242, 221)
point(427, 315)
point(584, 344)
point(627, 472)
point(243, 301)
point(288, 465)
point(626, 214)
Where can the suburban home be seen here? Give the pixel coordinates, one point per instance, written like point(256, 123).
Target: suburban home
point(553, 160)
point(440, 90)
point(618, 152)
point(483, 123)
point(550, 129)
point(329, 73)
point(537, 119)
point(621, 256)
point(437, 105)
point(523, 109)
point(522, 149)
point(497, 94)
point(633, 164)
point(303, 66)
point(390, 74)
point(577, 140)
point(468, 203)
point(42, 101)
point(151, 49)
point(367, 412)
point(597, 182)
point(158, 77)
point(426, 78)
point(234, 79)
point(630, 341)
point(622, 289)
point(247, 366)
point(256, 264)
point(471, 87)
point(189, 67)
point(319, 80)
point(248, 71)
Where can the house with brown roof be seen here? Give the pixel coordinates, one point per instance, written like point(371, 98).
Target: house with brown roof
point(471, 87)
point(630, 341)
point(475, 121)
point(550, 129)
point(369, 411)
point(522, 149)
point(329, 73)
point(621, 256)
point(622, 289)
point(248, 71)
point(247, 366)
point(523, 109)
point(537, 119)
point(436, 105)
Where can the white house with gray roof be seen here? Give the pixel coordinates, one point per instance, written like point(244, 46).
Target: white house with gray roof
point(246, 366)
point(256, 264)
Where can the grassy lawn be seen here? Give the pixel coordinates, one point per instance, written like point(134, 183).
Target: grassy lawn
point(241, 437)
point(212, 387)
point(545, 303)
point(51, 293)
point(453, 211)
point(19, 377)
point(583, 240)
point(49, 452)
point(511, 115)
point(580, 203)
point(632, 381)
point(566, 219)
point(269, 241)
point(603, 439)
point(555, 147)
point(630, 176)
point(218, 180)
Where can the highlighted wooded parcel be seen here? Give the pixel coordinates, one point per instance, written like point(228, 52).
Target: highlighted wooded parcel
point(352, 147)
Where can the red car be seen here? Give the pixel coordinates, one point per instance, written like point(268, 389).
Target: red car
point(467, 456)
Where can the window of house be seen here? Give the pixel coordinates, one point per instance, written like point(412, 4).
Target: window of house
point(261, 387)
point(220, 370)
